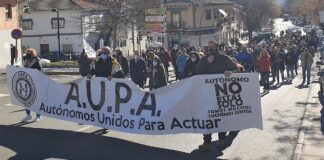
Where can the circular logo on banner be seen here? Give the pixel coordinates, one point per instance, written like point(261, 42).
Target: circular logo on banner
point(24, 88)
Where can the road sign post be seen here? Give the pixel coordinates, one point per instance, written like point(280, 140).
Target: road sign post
point(17, 34)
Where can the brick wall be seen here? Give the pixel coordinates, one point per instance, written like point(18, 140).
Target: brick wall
point(6, 24)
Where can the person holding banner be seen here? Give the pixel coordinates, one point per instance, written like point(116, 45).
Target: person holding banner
point(157, 76)
point(215, 63)
point(32, 62)
point(138, 72)
point(103, 67)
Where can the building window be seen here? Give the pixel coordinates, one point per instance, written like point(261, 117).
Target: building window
point(122, 43)
point(208, 14)
point(8, 11)
point(216, 13)
point(67, 48)
point(27, 24)
point(61, 22)
point(176, 20)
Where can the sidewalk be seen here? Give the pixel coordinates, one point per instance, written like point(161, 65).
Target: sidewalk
point(311, 139)
point(54, 71)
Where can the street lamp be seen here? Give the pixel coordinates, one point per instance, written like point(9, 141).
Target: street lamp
point(202, 15)
point(58, 31)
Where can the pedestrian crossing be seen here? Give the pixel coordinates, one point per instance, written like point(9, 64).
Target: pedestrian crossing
point(4, 95)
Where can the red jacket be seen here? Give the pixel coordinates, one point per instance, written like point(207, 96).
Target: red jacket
point(264, 64)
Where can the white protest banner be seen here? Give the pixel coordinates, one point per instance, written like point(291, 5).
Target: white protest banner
point(201, 104)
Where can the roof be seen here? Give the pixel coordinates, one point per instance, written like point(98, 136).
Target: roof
point(197, 2)
point(212, 2)
point(47, 5)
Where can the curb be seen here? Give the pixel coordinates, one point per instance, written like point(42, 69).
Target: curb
point(61, 73)
point(298, 150)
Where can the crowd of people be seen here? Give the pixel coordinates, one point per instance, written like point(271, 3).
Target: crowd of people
point(270, 58)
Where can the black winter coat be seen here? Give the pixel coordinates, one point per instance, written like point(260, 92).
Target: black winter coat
point(221, 64)
point(102, 68)
point(158, 80)
point(138, 71)
point(124, 64)
point(190, 69)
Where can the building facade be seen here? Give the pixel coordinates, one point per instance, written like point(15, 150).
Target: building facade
point(196, 22)
point(8, 22)
point(40, 28)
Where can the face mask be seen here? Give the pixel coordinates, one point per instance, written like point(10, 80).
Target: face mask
point(104, 56)
point(155, 63)
point(193, 59)
point(28, 56)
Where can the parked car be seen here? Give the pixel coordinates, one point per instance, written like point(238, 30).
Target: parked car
point(285, 17)
point(55, 56)
point(263, 36)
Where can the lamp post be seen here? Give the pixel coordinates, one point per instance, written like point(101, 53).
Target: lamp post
point(58, 31)
point(202, 15)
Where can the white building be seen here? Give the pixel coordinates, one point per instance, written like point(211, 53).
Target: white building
point(40, 27)
point(8, 22)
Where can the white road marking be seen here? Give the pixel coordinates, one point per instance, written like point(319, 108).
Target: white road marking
point(4, 95)
point(84, 128)
point(9, 105)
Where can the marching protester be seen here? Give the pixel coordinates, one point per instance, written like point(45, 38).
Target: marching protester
point(103, 67)
point(165, 58)
point(157, 76)
point(191, 64)
point(149, 62)
point(13, 54)
point(245, 58)
point(123, 62)
point(290, 64)
point(138, 73)
point(84, 64)
point(103, 64)
point(181, 62)
point(306, 59)
point(32, 61)
point(279, 65)
point(215, 63)
point(174, 55)
point(264, 63)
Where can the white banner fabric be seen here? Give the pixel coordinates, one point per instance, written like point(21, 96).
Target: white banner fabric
point(200, 104)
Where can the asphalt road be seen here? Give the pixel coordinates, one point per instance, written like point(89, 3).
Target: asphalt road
point(282, 110)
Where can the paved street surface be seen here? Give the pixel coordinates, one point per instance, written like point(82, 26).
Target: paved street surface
point(285, 110)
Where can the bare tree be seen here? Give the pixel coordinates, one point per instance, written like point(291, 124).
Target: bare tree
point(115, 14)
point(257, 12)
point(308, 9)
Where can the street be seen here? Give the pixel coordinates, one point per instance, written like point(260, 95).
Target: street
point(283, 109)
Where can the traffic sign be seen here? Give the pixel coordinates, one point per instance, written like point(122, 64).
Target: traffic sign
point(155, 11)
point(16, 33)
